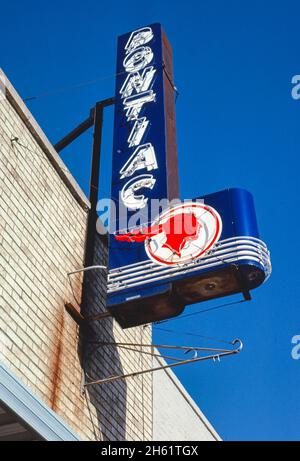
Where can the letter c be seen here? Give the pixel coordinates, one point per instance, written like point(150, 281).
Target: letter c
point(128, 193)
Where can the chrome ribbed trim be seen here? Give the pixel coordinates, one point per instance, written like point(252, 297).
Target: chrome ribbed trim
point(228, 251)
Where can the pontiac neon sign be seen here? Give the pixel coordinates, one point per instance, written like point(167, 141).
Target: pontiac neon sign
point(188, 251)
point(135, 93)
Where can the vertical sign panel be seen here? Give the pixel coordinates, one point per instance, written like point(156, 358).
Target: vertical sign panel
point(164, 256)
point(144, 165)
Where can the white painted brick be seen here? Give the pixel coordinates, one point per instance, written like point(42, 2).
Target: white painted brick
point(42, 237)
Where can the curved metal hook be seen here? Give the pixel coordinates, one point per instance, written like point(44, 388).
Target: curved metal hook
point(192, 350)
point(240, 347)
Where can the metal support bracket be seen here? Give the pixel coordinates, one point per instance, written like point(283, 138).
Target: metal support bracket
point(73, 311)
point(82, 127)
point(215, 354)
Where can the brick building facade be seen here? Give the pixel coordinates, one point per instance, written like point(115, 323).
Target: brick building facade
point(42, 236)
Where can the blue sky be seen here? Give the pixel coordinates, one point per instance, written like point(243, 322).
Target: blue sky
point(237, 125)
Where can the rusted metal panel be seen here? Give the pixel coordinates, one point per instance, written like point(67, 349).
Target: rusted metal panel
point(170, 120)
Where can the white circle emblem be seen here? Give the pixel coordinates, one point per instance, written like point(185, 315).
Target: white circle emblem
point(183, 233)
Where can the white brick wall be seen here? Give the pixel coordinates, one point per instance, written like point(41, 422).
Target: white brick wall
point(42, 233)
point(176, 417)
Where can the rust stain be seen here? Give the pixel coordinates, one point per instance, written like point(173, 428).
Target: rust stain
point(56, 364)
point(61, 354)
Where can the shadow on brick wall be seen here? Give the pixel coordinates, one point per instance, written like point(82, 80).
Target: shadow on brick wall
point(106, 402)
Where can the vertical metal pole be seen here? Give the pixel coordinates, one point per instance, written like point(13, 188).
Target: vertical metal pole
point(94, 185)
point(91, 230)
point(96, 119)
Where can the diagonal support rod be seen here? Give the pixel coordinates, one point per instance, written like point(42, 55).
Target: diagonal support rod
point(74, 134)
point(182, 362)
point(82, 127)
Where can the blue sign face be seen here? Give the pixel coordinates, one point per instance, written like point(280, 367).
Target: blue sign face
point(165, 253)
point(144, 150)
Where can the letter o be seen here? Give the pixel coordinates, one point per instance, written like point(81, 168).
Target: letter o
point(138, 59)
